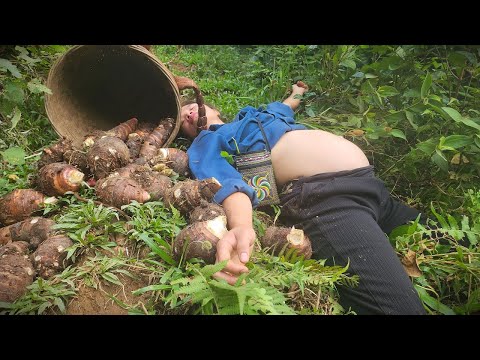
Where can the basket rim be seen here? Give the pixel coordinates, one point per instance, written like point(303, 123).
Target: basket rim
point(171, 79)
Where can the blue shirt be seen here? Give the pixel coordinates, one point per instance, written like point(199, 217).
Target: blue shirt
point(204, 154)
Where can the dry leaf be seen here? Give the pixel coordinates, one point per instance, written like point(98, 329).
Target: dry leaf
point(410, 264)
point(455, 159)
point(356, 132)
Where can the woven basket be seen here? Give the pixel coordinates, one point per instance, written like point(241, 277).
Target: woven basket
point(100, 86)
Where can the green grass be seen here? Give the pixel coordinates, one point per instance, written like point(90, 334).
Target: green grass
point(414, 110)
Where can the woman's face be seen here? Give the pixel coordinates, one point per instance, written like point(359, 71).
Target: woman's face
point(189, 118)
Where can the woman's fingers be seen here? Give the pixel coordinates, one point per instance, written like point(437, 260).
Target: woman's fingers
point(231, 279)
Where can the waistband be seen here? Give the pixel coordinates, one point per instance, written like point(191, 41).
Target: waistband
point(366, 171)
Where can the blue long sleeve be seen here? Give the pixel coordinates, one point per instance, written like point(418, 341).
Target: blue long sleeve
point(205, 158)
point(206, 162)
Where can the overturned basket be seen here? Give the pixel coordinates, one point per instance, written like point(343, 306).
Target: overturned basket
point(100, 86)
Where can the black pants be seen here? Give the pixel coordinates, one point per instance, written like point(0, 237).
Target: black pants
point(346, 215)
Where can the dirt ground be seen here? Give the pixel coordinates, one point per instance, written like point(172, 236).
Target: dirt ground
point(90, 301)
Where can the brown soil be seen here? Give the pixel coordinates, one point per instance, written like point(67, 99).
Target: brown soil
point(90, 301)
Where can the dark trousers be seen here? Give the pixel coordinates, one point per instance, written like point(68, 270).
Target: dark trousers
point(346, 215)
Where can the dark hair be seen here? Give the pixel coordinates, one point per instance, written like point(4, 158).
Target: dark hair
point(188, 101)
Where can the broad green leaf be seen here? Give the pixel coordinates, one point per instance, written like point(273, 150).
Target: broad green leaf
point(370, 76)
point(471, 123)
point(387, 91)
point(433, 303)
point(7, 65)
point(349, 63)
point(17, 115)
point(14, 156)
point(427, 147)
point(395, 117)
point(427, 83)
point(411, 119)
point(310, 112)
point(14, 93)
point(457, 141)
point(440, 111)
point(454, 114)
point(399, 231)
point(358, 74)
point(398, 133)
point(36, 87)
point(440, 161)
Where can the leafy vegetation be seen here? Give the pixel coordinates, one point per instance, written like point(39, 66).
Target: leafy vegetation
point(413, 109)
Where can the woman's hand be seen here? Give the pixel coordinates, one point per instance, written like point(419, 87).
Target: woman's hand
point(236, 247)
point(297, 89)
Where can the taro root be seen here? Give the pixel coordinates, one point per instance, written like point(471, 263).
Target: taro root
point(120, 131)
point(20, 204)
point(155, 140)
point(16, 272)
point(200, 239)
point(58, 178)
point(15, 248)
point(33, 230)
point(206, 211)
point(49, 257)
point(106, 155)
point(135, 140)
point(175, 159)
point(152, 182)
point(118, 191)
point(277, 238)
point(77, 158)
point(54, 153)
point(188, 194)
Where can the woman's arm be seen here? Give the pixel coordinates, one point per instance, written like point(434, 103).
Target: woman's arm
point(237, 245)
point(297, 89)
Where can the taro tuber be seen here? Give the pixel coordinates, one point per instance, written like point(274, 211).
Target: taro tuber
point(277, 238)
point(32, 230)
point(58, 178)
point(50, 255)
point(200, 239)
point(16, 271)
point(156, 140)
point(106, 155)
point(151, 181)
point(135, 140)
point(76, 158)
point(187, 195)
point(16, 248)
point(120, 131)
point(118, 191)
point(20, 204)
point(54, 153)
point(206, 211)
point(124, 129)
point(175, 159)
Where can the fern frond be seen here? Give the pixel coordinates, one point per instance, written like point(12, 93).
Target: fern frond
point(209, 270)
point(195, 285)
point(229, 309)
